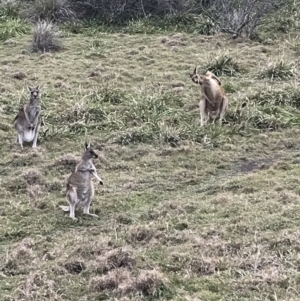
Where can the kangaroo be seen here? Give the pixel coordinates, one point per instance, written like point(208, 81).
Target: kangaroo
point(28, 120)
point(214, 102)
point(79, 188)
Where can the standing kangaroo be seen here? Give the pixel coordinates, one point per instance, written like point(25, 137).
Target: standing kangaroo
point(28, 120)
point(80, 189)
point(214, 102)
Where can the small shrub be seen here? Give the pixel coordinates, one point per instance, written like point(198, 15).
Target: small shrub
point(240, 17)
point(45, 37)
point(224, 66)
point(277, 71)
point(285, 19)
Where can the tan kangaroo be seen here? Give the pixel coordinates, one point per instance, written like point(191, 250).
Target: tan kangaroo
point(28, 120)
point(79, 188)
point(214, 102)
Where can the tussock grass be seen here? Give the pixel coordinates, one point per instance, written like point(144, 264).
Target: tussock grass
point(9, 9)
point(224, 65)
point(186, 212)
point(46, 37)
point(12, 28)
point(278, 70)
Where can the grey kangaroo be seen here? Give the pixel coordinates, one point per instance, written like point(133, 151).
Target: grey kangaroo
point(28, 120)
point(79, 188)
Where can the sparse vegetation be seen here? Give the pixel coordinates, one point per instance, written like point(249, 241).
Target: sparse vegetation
point(185, 213)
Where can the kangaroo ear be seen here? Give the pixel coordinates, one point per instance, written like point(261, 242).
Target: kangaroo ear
point(190, 74)
point(29, 88)
point(86, 146)
point(195, 70)
point(37, 87)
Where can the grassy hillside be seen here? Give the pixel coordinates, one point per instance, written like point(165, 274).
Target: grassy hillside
point(186, 213)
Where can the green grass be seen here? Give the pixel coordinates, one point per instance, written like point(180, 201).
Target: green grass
point(186, 213)
point(12, 28)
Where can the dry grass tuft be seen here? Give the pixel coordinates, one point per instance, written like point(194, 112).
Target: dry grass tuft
point(75, 267)
point(148, 282)
point(32, 177)
point(117, 258)
point(35, 191)
point(140, 234)
point(173, 43)
point(164, 40)
point(32, 287)
point(23, 250)
point(202, 267)
point(68, 161)
point(177, 84)
point(19, 75)
point(110, 281)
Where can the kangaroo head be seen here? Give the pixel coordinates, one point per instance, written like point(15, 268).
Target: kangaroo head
point(199, 79)
point(34, 92)
point(89, 152)
point(196, 78)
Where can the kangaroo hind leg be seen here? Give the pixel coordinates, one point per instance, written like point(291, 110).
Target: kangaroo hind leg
point(202, 107)
point(20, 140)
point(86, 208)
point(224, 107)
point(73, 200)
point(36, 134)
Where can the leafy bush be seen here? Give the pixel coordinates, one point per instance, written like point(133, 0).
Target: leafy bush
point(45, 37)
